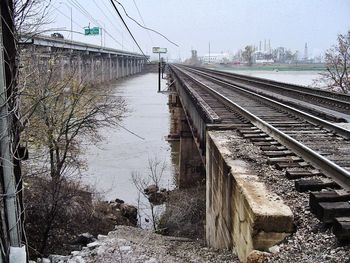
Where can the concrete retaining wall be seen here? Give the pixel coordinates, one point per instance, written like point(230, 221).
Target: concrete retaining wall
point(241, 213)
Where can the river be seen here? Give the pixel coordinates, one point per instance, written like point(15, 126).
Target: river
point(111, 162)
point(305, 78)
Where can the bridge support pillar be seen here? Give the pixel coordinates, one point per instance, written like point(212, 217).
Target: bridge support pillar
point(92, 68)
point(128, 67)
point(110, 65)
point(191, 168)
point(132, 67)
point(116, 67)
point(79, 65)
point(102, 68)
point(123, 67)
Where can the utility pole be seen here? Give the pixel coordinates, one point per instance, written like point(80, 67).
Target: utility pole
point(159, 75)
point(71, 24)
point(10, 169)
point(71, 19)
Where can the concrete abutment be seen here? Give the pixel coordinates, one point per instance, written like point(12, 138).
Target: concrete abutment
point(241, 214)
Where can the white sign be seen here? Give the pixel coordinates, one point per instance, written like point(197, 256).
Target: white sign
point(159, 50)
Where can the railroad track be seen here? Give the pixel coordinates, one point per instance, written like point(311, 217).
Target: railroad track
point(301, 144)
point(338, 105)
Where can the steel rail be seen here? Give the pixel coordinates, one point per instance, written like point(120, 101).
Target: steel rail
point(326, 100)
point(310, 118)
point(337, 173)
point(329, 95)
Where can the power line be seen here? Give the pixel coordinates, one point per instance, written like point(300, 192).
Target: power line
point(147, 28)
point(56, 8)
point(138, 11)
point(120, 16)
point(124, 31)
point(106, 16)
point(83, 11)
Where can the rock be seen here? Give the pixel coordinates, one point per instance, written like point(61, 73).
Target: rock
point(257, 256)
point(79, 259)
point(151, 189)
point(125, 248)
point(119, 201)
point(157, 198)
point(130, 212)
point(84, 239)
point(151, 260)
point(93, 245)
point(101, 237)
point(58, 259)
point(274, 249)
point(44, 260)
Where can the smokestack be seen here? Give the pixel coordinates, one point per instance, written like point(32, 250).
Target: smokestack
point(264, 45)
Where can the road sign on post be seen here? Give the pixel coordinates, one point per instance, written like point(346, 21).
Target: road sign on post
point(159, 50)
point(91, 31)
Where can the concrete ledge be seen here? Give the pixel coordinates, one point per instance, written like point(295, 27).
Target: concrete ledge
point(241, 212)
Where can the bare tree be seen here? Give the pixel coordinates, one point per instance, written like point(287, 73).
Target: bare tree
point(61, 112)
point(31, 15)
point(149, 186)
point(337, 59)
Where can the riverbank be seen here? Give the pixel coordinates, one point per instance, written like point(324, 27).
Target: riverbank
point(130, 245)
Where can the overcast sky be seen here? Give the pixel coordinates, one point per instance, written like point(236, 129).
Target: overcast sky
point(227, 24)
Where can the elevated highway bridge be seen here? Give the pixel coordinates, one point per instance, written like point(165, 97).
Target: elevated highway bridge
point(93, 63)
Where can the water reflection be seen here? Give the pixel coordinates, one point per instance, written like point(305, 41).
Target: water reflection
point(111, 163)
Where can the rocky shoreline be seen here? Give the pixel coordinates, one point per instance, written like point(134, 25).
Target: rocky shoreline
point(134, 245)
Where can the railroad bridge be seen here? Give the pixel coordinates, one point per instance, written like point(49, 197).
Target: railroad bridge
point(240, 135)
point(93, 63)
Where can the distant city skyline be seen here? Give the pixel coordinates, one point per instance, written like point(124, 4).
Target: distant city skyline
point(227, 24)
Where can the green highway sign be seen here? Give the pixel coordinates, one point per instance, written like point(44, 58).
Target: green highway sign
point(92, 31)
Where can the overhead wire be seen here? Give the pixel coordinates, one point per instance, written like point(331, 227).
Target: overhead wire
point(121, 17)
point(144, 27)
point(74, 22)
point(83, 11)
point(111, 7)
point(143, 21)
point(113, 24)
point(107, 17)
